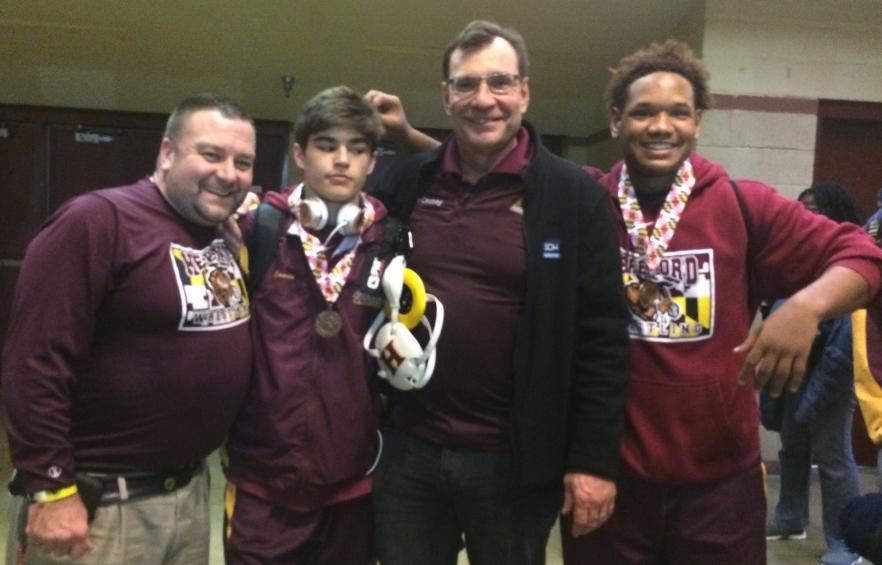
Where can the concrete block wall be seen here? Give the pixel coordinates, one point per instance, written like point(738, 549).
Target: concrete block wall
point(776, 148)
point(795, 48)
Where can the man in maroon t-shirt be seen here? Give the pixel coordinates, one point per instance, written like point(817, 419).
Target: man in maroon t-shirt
point(119, 381)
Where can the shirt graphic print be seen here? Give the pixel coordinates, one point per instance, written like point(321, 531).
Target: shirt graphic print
point(676, 302)
point(212, 288)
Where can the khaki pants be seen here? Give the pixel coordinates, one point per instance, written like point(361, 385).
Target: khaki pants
point(168, 529)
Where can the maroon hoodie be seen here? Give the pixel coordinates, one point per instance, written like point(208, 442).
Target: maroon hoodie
point(687, 418)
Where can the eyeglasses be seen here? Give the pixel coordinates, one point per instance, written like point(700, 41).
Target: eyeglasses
point(497, 83)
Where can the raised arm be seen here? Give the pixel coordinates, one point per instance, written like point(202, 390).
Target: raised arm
point(399, 132)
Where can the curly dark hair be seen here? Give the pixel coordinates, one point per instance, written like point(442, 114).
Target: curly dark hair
point(672, 56)
point(835, 202)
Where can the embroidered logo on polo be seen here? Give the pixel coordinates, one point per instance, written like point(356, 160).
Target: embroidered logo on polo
point(518, 207)
point(212, 289)
point(551, 249)
point(430, 202)
point(673, 303)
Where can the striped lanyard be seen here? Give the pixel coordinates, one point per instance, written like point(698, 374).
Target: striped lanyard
point(329, 281)
point(653, 246)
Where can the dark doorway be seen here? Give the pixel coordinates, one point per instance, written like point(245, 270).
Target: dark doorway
point(849, 151)
point(849, 148)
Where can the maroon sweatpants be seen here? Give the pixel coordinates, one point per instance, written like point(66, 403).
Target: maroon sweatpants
point(258, 532)
point(720, 523)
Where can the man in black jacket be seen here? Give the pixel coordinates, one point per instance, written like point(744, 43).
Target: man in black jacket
point(524, 413)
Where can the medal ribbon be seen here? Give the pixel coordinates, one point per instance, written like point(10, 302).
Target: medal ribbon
point(330, 281)
point(653, 246)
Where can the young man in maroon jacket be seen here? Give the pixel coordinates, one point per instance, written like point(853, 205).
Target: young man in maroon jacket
point(128, 354)
point(305, 441)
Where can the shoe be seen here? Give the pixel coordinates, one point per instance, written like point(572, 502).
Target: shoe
point(774, 533)
point(839, 557)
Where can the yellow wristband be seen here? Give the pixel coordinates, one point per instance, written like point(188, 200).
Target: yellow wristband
point(53, 495)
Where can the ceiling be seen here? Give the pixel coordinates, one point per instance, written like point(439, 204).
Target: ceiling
point(147, 55)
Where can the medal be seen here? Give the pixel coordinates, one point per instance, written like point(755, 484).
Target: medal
point(328, 323)
point(329, 279)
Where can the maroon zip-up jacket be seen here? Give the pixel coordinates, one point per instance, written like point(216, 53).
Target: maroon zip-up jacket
point(307, 433)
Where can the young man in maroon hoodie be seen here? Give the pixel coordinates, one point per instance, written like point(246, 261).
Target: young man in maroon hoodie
point(305, 441)
point(699, 252)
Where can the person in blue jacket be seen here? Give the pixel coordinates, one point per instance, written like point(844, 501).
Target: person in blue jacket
point(816, 421)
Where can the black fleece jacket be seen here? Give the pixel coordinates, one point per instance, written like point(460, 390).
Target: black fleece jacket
point(570, 355)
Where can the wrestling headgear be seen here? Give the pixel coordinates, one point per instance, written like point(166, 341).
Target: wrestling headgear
point(402, 360)
point(312, 213)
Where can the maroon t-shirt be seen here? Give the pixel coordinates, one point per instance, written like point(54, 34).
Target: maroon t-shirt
point(128, 346)
point(469, 249)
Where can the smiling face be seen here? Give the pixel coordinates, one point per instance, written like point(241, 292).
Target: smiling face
point(658, 127)
point(336, 163)
point(484, 123)
point(206, 170)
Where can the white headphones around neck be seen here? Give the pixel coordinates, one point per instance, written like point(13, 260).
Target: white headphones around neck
point(312, 213)
point(402, 360)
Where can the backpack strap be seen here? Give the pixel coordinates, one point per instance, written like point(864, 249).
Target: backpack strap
point(402, 186)
point(743, 208)
point(748, 226)
point(262, 247)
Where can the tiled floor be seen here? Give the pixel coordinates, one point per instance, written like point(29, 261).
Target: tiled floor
point(780, 553)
